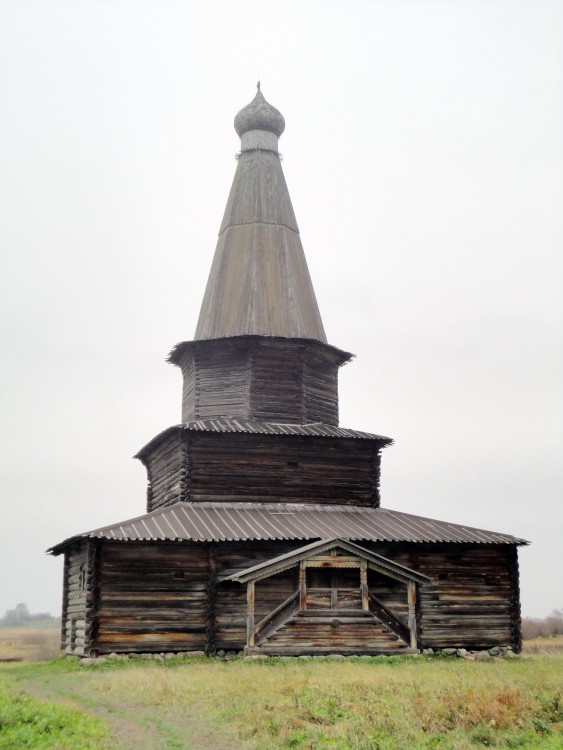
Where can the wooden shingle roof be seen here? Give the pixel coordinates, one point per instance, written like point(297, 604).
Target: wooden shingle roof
point(259, 282)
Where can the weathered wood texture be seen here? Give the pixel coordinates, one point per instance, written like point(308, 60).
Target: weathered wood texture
point(276, 468)
point(162, 596)
point(208, 466)
point(473, 601)
point(515, 614)
point(259, 282)
point(78, 590)
point(168, 472)
point(154, 597)
point(230, 600)
point(342, 633)
point(266, 379)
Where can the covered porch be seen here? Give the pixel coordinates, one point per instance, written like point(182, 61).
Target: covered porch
point(332, 607)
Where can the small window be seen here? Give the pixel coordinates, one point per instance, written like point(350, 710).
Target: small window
point(293, 464)
point(82, 579)
point(442, 576)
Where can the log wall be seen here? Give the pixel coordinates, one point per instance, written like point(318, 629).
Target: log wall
point(153, 598)
point(263, 378)
point(230, 603)
point(163, 596)
point(188, 369)
point(473, 601)
point(216, 381)
point(77, 597)
point(271, 468)
point(168, 475)
point(391, 593)
point(215, 466)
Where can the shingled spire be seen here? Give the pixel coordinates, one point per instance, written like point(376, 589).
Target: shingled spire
point(259, 282)
point(260, 350)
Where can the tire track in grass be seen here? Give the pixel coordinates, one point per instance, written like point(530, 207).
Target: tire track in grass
point(133, 726)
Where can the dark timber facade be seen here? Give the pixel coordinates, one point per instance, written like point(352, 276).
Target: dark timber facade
point(263, 529)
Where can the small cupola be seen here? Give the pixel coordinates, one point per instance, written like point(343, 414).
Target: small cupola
point(259, 125)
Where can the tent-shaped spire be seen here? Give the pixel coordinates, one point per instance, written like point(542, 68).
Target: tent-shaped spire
point(259, 282)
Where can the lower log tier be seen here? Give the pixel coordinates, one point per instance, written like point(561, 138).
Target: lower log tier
point(163, 596)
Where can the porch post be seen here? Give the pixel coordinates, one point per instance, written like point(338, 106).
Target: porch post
point(302, 585)
point(250, 614)
point(411, 590)
point(364, 584)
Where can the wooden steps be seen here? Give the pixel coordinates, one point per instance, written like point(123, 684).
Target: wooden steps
point(321, 632)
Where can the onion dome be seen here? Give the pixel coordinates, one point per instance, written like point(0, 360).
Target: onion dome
point(259, 124)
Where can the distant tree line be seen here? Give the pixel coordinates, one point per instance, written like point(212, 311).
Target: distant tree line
point(550, 626)
point(20, 615)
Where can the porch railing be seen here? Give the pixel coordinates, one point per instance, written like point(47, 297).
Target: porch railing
point(273, 620)
point(388, 618)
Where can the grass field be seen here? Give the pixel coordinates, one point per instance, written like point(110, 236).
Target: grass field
point(551, 646)
point(278, 704)
point(40, 641)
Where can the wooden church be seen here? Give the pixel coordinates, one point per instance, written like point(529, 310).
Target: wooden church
point(263, 530)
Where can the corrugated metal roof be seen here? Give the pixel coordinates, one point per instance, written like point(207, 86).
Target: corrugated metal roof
point(230, 424)
point(316, 429)
point(233, 521)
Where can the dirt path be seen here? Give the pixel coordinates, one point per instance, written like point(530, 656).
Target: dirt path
point(133, 726)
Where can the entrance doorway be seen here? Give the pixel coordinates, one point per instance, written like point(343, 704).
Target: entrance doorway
point(333, 588)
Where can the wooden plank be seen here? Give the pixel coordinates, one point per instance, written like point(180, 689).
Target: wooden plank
point(411, 588)
point(302, 585)
point(273, 614)
point(250, 636)
point(364, 585)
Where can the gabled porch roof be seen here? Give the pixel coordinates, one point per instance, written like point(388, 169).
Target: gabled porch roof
point(283, 562)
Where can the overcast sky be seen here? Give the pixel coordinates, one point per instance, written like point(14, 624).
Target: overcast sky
point(424, 156)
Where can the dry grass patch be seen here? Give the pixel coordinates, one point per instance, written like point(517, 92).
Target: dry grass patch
point(547, 646)
point(359, 705)
point(30, 643)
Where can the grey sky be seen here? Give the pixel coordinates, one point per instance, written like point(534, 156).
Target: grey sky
point(424, 156)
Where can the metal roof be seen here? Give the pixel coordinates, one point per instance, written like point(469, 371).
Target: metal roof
point(234, 521)
point(230, 424)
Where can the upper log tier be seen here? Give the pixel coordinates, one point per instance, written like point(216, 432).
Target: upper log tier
point(186, 466)
point(254, 377)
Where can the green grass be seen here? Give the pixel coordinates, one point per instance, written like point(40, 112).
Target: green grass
point(354, 705)
point(44, 725)
point(432, 703)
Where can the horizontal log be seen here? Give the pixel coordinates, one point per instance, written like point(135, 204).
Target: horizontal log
point(156, 638)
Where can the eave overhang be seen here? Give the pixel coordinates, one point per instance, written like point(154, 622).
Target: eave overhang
point(243, 522)
point(251, 427)
point(178, 351)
